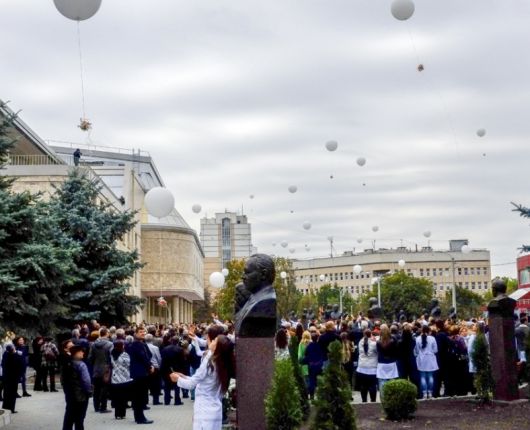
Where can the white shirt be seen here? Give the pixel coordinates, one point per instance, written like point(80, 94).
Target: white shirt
point(208, 407)
point(426, 357)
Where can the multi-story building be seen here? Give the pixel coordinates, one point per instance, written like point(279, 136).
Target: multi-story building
point(225, 237)
point(471, 270)
point(168, 247)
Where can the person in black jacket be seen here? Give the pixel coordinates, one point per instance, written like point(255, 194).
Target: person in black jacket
point(442, 357)
point(172, 361)
point(12, 366)
point(325, 339)
point(77, 385)
point(140, 370)
point(23, 350)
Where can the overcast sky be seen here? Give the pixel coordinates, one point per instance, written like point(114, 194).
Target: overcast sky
point(238, 97)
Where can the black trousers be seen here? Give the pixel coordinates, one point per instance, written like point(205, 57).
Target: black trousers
point(10, 394)
point(74, 415)
point(139, 393)
point(48, 370)
point(40, 378)
point(101, 394)
point(367, 384)
point(120, 396)
point(155, 385)
point(168, 387)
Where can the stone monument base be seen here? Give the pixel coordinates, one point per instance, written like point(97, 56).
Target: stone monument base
point(254, 371)
point(503, 358)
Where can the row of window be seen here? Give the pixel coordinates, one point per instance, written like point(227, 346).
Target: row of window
point(344, 276)
point(466, 285)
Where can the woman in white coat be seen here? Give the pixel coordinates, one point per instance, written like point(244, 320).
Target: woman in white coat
point(425, 352)
point(210, 382)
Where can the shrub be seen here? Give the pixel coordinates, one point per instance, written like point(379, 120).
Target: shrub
point(399, 399)
point(300, 382)
point(334, 410)
point(282, 404)
point(480, 355)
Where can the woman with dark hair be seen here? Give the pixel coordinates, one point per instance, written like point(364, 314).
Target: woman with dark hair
point(314, 358)
point(299, 332)
point(407, 361)
point(120, 380)
point(425, 352)
point(210, 382)
point(23, 351)
point(12, 366)
point(348, 349)
point(281, 350)
point(367, 367)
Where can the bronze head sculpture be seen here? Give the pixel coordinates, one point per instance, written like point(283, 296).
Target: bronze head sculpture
point(256, 299)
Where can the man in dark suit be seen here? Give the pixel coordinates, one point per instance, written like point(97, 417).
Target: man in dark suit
point(140, 370)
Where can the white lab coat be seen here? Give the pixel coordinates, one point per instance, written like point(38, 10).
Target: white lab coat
point(208, 407)
point(426, 357)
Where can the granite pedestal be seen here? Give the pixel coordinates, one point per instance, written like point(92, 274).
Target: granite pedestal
point(254, 370)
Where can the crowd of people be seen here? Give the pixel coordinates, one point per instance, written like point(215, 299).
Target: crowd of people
point(129, 367)
point(433, 354)
point(138, 365)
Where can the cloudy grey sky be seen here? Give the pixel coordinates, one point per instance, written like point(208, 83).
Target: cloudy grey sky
point(238, 97)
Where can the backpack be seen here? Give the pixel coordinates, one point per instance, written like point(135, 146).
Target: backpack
point(49, 353)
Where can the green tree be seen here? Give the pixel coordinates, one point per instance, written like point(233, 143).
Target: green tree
point(299, 378)
point(202, 309)
point(103, 270)
point(225, 298)
point(35, 258)
point(287, 296)
point(334, 410)
point(483, 379)
point(401, 291)
point(282, 403)
point(330, 295)
point(468, 303)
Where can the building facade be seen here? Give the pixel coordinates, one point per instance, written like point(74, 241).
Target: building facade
point(225, 237)
point(168, 247)
point(471, 271)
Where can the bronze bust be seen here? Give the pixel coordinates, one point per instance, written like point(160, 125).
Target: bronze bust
point(501, 304)
point(375, 312)
point(255, 305)
point(436, 311)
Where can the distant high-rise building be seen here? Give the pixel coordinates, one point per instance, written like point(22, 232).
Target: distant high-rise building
point(225, 237)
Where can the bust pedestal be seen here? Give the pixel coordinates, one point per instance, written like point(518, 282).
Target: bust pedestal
point(502, 347)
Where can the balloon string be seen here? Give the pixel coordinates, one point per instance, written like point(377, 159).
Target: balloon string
point(445, 110)
point(81, 69)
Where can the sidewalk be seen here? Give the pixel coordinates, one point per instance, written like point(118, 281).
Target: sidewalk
point(44, 411)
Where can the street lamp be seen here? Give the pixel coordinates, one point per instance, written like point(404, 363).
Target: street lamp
point(377, 280)
point(401, 264)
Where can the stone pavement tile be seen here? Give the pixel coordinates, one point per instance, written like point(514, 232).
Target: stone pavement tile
point(45, 411)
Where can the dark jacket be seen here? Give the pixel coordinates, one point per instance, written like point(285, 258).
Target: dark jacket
point(314, 357)
point(75, 380)
point(325, 340)
point(12, 367)
point(389, 353)
point(140, 359)
point(99, 357)
point(172, 360)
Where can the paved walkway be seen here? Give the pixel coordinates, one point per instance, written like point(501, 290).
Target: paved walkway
point(44, 411)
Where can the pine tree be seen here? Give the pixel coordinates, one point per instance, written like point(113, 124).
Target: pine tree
point(297, 373)
point(481, 358)
point(102, 268)
point(334, 410)
point(34, 263)
point(282, 404)
point(525, 213)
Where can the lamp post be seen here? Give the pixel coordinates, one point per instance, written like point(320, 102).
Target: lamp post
point(466, 249)
point(377, 280)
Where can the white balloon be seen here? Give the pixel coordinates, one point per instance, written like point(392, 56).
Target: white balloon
point(273, 243)
point(293, 189)
point(322, 278)
point(481, 132)
point(292, 250)
point(332, 145)
point(375, 229)
point(251, 196)
point(401, 263)
point(359, 240)
point(402, 9)
point(361, 161)
point(283, 275)
point(78, 10)
point(466, 249)
point(427, 234)
point(217, 280)
point(307, 248)
point(159, 202)
point(225, 272)
point(306, 225)
point(357, 269)
point(196, 208)
point(284, 244)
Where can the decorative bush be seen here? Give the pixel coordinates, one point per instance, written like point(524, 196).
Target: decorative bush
point(399, 399)
point(483, 380)
point(282, 404)
point(300, 382)
point(334, 410)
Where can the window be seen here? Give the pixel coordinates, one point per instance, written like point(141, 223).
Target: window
point(472, 271)
point(342, 276)
point(484, 271)
point(479, 285)
point(472, 285)
point(467, 285)
point(466, 271)
point(434, 272)
point(459, 271)
point(428, 272)
point(226, 241)
point(421, 272)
